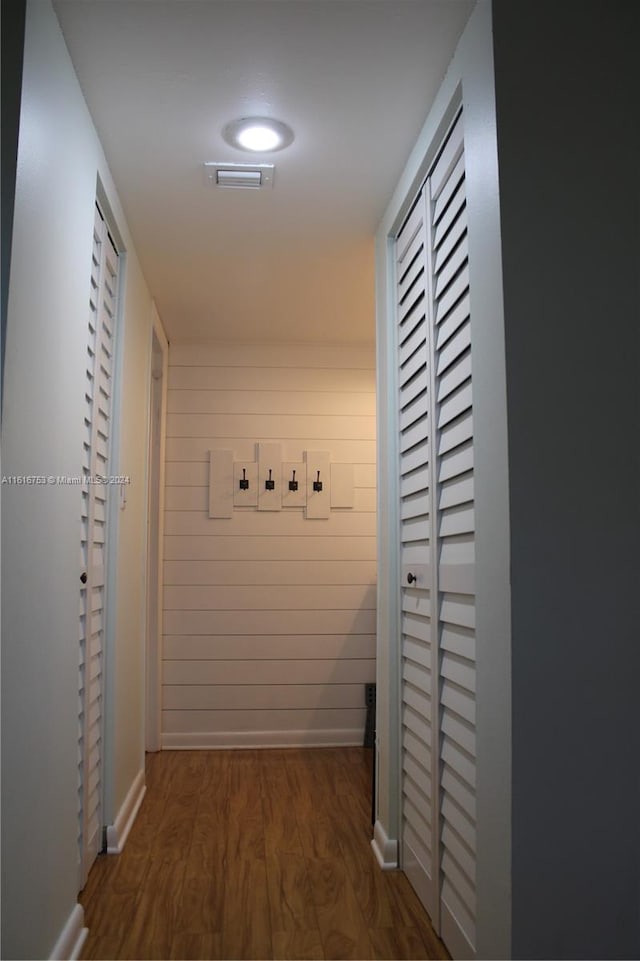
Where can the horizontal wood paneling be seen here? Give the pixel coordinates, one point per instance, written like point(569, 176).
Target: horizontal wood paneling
point(344, 451)
point(348, 671)
point(270, 548)
point(194, 474)
point(203, 647)
point(270, 426)
point(260, 523)
point(197, 499)
point(352, 380)
point(319, 403)
point(269, 620)
point(273, 355)
point(269, 598)
point(269, 572)
point(228, 696)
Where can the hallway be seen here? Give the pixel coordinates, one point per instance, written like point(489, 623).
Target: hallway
point(254, 854)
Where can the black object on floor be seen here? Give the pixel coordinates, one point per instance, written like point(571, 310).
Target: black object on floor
point(370, 723)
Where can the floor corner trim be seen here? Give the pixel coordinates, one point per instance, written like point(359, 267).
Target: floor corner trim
point(69, 945)
point(215, 740)
point(385, 849)
point(118, 832)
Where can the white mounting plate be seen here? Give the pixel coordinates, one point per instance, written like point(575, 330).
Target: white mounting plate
point(221, 483)
point(342, 485)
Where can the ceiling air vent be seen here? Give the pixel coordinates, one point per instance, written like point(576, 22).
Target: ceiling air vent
point(239, 176)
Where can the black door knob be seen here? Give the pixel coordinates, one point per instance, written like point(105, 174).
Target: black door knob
point(411, 578)
point(83, 577)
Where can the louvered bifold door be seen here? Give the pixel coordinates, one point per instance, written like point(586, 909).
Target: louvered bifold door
point(437, 544)
point(455, 543)
point(418, 654)
point(95, 466)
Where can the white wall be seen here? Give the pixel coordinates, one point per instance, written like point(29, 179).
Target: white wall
point(469, 81)
point(570, 219)
point(58, 162)
point(269, 617)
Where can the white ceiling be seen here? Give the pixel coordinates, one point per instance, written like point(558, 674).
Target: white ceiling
point(353, 78)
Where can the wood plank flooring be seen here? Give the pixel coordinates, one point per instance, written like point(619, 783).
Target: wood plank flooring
point(254, 854)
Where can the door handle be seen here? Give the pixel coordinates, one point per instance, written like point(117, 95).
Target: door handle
point(83, 577)
point(411, 578)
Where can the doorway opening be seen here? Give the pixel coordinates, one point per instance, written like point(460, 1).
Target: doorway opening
point(155, 533)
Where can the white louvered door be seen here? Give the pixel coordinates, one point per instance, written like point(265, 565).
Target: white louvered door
point(438, 550)
point(419, 739)
point(455, 548)
point(95, 465)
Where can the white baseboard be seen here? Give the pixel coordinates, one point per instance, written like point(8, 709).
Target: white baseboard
point(385, 850)
point(344, 737)
point(72, 937)
point(118, 832)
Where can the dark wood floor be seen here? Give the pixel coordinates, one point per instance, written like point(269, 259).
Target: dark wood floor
point(254, 854)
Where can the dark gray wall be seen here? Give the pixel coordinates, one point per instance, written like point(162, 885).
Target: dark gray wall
point(12, 50)
point(567, 120)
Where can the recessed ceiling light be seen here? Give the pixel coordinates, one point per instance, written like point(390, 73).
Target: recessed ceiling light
point(258, 134)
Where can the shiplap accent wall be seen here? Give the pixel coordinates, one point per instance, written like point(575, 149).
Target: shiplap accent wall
point(269, 622)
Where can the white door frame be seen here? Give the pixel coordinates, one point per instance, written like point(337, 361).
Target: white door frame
point(159, 350)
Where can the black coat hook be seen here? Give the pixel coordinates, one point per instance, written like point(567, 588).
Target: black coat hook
point(293, 484)
point(317, 484)
point(269, 485)
point(244, 481)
